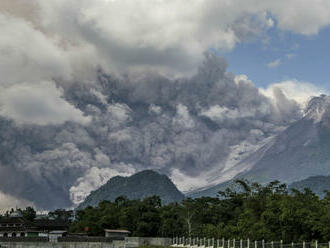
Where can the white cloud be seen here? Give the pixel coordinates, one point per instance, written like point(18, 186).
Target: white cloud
point(155, 109)
point(120, 112)
point(20, 8)
point(94, 178)
point(183, 117)
point(30, 54)
point(168, 34)
point(39, 104)
point(218, 113)
point(301, 92)
point(69, 39)
point(27, 54)
point(291, 55)
point(274, 64)
point(300, 16)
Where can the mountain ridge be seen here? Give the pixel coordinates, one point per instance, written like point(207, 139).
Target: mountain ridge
point(318, 184)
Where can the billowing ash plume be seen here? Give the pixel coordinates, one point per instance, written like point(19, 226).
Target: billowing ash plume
point(183, 126)
point(94, 89)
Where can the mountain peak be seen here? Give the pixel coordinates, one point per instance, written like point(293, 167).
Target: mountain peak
point(138, 186)
point(317, 108)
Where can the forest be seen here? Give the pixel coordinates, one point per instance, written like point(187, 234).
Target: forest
point(244, 210)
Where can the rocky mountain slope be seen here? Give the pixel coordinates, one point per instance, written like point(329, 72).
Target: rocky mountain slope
point(138, 186)
point(299, 152)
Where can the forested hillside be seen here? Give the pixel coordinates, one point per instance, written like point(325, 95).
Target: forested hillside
point(138, 186)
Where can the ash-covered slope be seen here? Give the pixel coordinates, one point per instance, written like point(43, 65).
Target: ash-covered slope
point(299, 152)
point(139, 186)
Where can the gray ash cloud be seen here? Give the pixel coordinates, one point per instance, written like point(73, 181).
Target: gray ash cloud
point(150, 122)
point(94, 89)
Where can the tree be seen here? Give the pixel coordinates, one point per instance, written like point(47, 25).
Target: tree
point(245, 210)
point(62, 214)
point(29, 213)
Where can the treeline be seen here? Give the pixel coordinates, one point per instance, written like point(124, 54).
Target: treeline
point(28, 213)
point(245, 210)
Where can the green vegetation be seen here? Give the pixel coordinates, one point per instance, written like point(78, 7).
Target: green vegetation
point(28, 213)
point(245, 210)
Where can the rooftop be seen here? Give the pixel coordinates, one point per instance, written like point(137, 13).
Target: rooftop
point(18, 224)
point(13, 229)
point(116, 231)
point(12, 220)
point(58, 232)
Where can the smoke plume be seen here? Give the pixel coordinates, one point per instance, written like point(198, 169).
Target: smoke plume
point(94, 89)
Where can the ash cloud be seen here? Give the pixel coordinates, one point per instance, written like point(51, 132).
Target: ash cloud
point(94, 89)
point(177, 126)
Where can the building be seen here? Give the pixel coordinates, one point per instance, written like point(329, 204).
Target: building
point(116, 234)
point(19, 227)
point(55, 235)
point(13, 227)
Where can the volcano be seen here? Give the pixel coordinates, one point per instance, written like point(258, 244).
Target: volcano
point(299, 152)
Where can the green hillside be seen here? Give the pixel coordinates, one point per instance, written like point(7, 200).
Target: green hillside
point(138, 186)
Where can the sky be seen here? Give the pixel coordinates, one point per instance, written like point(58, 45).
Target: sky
point(282, 56)
point(94, 89)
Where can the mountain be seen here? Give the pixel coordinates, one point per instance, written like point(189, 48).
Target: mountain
point(212, 191)
point(138, 186)
point(300, 151)
point(318, 184)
